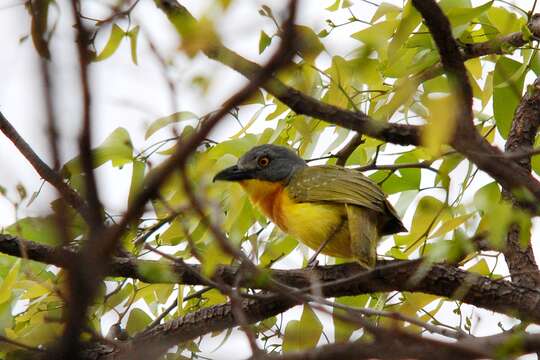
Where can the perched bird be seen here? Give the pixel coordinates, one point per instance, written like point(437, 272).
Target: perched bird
point(333, 210)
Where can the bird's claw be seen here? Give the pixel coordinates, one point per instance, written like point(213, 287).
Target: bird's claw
point(312, 263)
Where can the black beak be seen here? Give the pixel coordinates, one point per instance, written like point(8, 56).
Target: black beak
point(233, 173)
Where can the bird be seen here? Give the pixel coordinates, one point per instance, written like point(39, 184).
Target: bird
point(334, 210)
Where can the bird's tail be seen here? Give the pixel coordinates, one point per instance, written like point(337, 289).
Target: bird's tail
point(364, 232)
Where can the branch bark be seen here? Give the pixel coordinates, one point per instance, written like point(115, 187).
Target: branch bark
point(335, 280)
point(519, 256)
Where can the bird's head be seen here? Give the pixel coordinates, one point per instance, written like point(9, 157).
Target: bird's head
point(265, 162)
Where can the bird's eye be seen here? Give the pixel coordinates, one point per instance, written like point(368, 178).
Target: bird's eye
point(263, 161)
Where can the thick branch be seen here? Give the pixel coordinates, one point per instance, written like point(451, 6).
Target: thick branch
point(438, 279)
point(520, 257)
point(396, 345)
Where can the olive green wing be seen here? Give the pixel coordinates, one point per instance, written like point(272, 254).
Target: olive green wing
point(336, 184)
point(327, 183)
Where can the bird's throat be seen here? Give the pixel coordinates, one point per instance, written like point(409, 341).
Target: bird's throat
point(268, 197)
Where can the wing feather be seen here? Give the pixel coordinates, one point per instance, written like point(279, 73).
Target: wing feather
point(336, 184)
point(328, 183)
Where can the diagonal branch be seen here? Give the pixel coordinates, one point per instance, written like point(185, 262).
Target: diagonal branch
point(47, 173)
point(466, 139)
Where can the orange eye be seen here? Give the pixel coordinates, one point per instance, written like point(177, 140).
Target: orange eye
point(263, 161)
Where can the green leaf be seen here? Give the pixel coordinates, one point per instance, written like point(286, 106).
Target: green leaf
point(116, 148)
point(481, 267)
point(167, 120)
point(505, 20)
point(43, 230)
point(508, 81)
point(133, 35)
point(344, 329)
point(308, 43)
point(137, 180)
point(277, 249)
point(137, 321)
point(390, 11)
point(6, 288)
point(440, 126)
point(117, 34)
point(304, 333)
point(460, 18)
point(450, 225)
point(156, 271)
point(409, 21)
point(423, 222)
point(486, 196)
point(376, 36)
point(264, 41)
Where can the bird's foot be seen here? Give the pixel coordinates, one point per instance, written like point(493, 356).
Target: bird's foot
point(312, 263)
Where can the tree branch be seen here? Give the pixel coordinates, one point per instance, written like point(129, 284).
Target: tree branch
point(46, 173)
point(466, 139)
point(335, 280)
point(520, 256)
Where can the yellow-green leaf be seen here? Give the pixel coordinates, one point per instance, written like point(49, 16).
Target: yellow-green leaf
point(116, 36)
point(304, 333)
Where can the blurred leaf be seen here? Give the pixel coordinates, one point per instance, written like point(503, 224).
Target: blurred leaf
point(508, 81)
point(6, 287)
point(308, 43)
point(410, 19)
point(377, 36)
point(450, 225)
point(116, 148)
point(42, 230)
point(137, 180)
point(486, 196)
point(133, 35)
point(391, 11)
point(304, 333)
point(504, 20)
point(461, 17)
point(440, 127)
point(264, 41)
point(425, 219)
point(116, 36)
point(481, 267)
point(277, 249)
point(344, 329)
point(137, 321)
point(167, 120)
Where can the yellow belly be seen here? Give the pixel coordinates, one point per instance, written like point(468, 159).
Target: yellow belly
point(314, 223)
point(310, 223)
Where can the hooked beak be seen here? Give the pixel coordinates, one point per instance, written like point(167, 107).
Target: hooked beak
point(233, 173)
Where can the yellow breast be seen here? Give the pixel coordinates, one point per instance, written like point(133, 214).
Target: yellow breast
point(311, 223)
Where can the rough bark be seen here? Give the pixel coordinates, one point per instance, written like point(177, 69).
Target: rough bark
point(519, 256)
